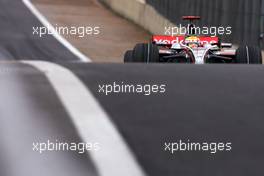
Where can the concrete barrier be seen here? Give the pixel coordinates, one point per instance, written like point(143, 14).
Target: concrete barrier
point(140, 13)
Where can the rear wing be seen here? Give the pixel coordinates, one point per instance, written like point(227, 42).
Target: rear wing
point(191, 18)
point(169, 40)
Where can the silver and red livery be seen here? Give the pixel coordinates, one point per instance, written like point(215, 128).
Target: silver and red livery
point(192, 48)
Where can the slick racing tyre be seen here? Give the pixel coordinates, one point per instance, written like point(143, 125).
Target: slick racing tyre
point(146, 53)
point(249, 55)
point(128, 56)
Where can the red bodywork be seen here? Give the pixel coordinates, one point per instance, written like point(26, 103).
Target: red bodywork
point(169, 40)
point(191, 18)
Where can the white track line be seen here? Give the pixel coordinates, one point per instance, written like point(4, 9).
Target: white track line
point(94, 125)
point(62, 40)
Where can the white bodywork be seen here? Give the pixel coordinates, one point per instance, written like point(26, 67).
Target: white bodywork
point(201, 52)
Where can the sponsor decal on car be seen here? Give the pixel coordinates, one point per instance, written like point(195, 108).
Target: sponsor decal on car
point(169, 40)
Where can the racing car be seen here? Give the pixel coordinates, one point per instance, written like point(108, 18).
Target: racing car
point(193, 49)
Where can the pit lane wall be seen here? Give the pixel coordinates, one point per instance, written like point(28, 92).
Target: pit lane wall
point(246, 17)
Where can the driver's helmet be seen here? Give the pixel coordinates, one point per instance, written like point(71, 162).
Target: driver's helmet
point(192, 42)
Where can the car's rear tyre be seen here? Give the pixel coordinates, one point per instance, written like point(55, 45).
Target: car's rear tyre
point(128, 57)
point(248, 55)
point(146, 53)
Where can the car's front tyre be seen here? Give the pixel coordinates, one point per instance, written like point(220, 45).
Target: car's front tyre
point(142, 52)
point(249, 55)
point(128, 57)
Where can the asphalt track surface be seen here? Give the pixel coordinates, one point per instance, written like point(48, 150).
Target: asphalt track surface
point(213, 103)
point(202, 103)
point(31, 112)
point(230, 109)
point(17, 41)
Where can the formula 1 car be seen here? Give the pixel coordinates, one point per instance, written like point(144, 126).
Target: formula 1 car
point(193, 49)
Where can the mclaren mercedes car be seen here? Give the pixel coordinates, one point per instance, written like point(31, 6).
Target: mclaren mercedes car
point(193, 49)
